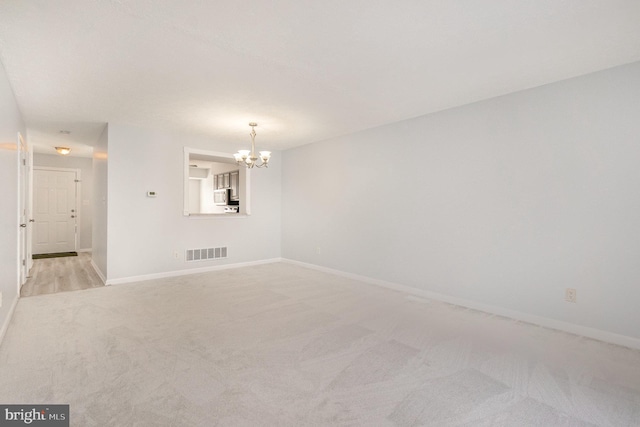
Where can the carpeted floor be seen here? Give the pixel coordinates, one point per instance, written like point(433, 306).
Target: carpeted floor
point(279, 345)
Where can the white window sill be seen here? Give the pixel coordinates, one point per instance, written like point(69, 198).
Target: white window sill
point(217, 216)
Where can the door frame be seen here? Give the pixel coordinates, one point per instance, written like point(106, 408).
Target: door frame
point(78, 212)
point(24, 211)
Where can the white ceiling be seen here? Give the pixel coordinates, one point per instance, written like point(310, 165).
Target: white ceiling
point(304, 70)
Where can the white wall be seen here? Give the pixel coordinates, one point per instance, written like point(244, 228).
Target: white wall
point(195, 189)
point(10, 124)
point(144, 232)
point(99, 241)
point(86, 189)
point(506, 202)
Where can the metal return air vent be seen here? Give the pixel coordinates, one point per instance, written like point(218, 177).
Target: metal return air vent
point(205, 254)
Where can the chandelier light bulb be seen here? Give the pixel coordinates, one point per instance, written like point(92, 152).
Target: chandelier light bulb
point(265, 156)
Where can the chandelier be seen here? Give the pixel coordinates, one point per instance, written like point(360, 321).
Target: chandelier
point(248, 157)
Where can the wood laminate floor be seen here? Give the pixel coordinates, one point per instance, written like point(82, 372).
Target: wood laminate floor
point(52, 275)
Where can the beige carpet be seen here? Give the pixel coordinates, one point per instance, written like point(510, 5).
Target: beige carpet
point(279, 345)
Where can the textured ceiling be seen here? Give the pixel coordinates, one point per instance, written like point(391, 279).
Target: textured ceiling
point(304, 70)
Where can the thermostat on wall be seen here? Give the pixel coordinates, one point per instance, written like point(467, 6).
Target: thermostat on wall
point(151, 194)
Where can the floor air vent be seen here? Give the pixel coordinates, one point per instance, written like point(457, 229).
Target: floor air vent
point(206, 254)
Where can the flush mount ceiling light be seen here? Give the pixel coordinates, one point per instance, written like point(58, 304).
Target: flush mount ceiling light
point(248, 157)
point(63, 150)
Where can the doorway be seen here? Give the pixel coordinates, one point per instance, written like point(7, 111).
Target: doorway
point(55, 210)
point(61, 189)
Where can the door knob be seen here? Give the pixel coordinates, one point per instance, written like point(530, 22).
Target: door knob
point(32, 220)
point(23, 225)
point(73, 216)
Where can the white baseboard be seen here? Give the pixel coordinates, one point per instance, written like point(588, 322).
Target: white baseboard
point(572, 328)
point(175, 273)
point(98, 272)
point(5, 324)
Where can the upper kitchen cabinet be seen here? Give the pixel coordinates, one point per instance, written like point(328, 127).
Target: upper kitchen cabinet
point(234, 182)
point(227, 180)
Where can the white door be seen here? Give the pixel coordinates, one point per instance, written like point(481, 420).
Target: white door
point(54, 211)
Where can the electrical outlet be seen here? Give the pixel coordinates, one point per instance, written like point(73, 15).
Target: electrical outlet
point(570, 295)
point(176, 254)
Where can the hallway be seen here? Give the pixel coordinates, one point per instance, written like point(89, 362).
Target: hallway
point(53, 275)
